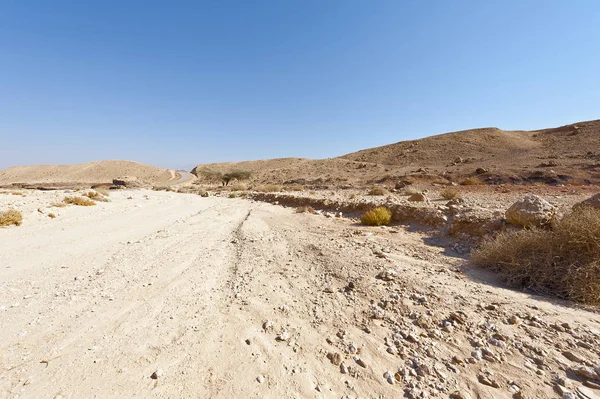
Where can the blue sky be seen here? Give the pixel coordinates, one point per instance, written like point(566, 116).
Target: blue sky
point(179, 83)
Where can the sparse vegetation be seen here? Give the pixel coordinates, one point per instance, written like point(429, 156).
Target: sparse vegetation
point(238, 175)
point(268, 188)
point(450, 193)
point(295, 187)
point(472, 181)
point(563, 261)
point(96, 196)
point(238, 187)
point(80, 201)
point(51, 215)
point(305, 209)
point(58, 204)
point(232, 195)
point(103, 190)
point(378, 191)
point(11, 217)
point(380, 216)
point(411, 190)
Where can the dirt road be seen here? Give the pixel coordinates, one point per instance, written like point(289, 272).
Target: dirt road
point(168, 295)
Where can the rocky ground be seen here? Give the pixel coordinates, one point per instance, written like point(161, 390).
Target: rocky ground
point(158, 294)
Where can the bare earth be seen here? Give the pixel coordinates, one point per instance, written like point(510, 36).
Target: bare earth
point(235, 298)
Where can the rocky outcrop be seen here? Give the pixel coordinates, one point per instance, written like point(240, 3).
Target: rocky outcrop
point(593, 201)
point(127, 182)
point(531, 211)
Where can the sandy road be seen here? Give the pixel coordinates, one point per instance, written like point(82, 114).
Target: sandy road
point(92, 303)
point(97, 300)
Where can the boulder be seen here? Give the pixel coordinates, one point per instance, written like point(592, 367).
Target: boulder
point(417, 197)
point(531, 211)
point(593, 201)
point(127, 181)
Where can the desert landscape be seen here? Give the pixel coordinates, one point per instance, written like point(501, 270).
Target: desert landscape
point(464, 265)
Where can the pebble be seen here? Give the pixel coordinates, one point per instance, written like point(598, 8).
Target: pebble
point(260, 379)
point(156, 374)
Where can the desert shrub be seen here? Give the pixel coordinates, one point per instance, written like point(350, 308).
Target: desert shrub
point(563, 261)
point(232, 195)
point(379, 216)
point(11, 217)
point(295, 187)
point(238, 175)
point(268, 188)
point(238, 187)
point(96, 196)
point(450, 193)
point(51, 215)
point(203, 193)
point(80, 201)
point(103, 190)
point(472, 181)
point(58, 204)
point(378, 191)
point(305, 209)
point(411, 190)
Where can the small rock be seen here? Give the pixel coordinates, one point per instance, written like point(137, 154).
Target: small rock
point(156, 374)
point(260, 379)
point(574, 357)
point(335, 358)
point(485, 380)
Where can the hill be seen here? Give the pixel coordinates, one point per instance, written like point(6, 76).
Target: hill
point(85, 173)
point(570, 152)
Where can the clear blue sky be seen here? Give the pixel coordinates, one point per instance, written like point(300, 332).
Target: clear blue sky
point(176, 83)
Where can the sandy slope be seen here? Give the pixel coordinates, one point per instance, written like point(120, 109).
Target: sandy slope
point(88, 173)
point(94, 301)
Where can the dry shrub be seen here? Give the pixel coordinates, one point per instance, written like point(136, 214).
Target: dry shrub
point(96, 196)
point(80, 201)
point(472, 181)
point(295, 187)
point(238, 187)
point(450, 193)
point(411, 190)
point(58, 204)
point(103, 190)
point(11, 217)
point(563, 261)
point(268, 188)
point(232, 195)
point(379, 216)
point(378, 191)
point(51, 215)
point(305, 209)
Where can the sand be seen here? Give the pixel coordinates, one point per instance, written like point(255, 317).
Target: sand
point(225, 298)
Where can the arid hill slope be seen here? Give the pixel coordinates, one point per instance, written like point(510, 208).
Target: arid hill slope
point(569, 152)
point(85, 173)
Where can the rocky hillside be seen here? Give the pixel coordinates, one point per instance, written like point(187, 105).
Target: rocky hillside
point(556, 155)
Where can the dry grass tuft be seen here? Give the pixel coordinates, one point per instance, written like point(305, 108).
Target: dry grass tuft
point(410, 190)
point(58, 204)
point(103, 190)
point(11, 217)
point(268, 188)
point(563, 261)
point(238, 187)
point(80, 201)
point(472, 181)
point(450, 193)
point(305, 209)
point(96, 196)
point(378, 191)
point(379, 216)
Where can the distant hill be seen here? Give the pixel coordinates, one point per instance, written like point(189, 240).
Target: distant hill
point(85, 173)
point(566, 152)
